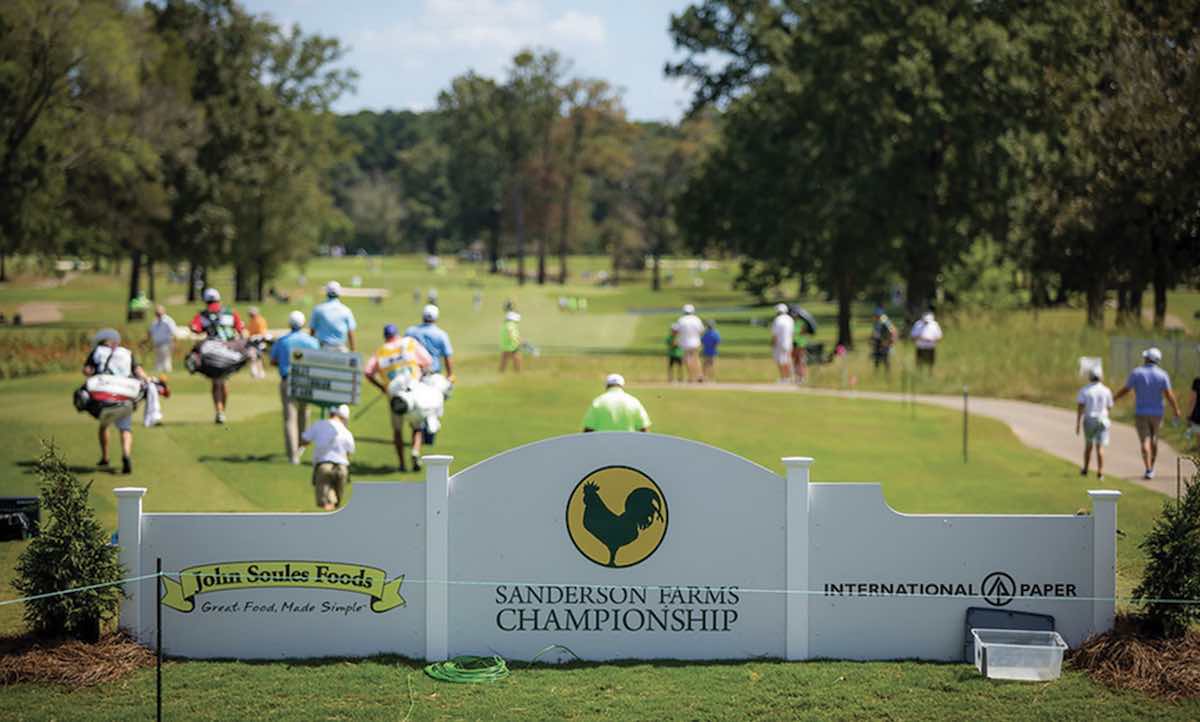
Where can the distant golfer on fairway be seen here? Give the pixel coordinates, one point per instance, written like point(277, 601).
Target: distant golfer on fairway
point(1094, 401)
point(434, 339)
point(691, 328)
point(615, 410)
point(510, 341)
point(333, 322)
point(1149, 384)
point(782, 340)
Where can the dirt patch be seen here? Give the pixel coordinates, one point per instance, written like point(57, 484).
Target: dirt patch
point(1126, 658)
point(38, 312)
point(70, 662)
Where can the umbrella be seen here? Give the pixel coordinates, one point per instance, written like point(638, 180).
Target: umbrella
point(805, 316)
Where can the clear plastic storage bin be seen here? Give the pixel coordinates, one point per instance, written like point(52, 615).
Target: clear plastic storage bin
point(1018, 654)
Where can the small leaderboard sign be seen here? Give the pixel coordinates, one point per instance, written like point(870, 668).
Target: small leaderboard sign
point(327, 378)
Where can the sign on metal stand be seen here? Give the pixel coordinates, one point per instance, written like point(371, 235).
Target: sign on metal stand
point(325, 378)
point(964, 423)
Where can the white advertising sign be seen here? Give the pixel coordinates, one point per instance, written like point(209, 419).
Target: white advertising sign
point(618, 546)
point(328, 378)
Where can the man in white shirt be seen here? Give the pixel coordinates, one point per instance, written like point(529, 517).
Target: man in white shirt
point(926, 333)
point(1094, 401)
point(333, 444)
point(162, 337)
point(782, 330)
point(691, 328)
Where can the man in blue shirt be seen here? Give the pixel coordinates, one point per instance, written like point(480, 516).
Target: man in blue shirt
point(295, 413)
point(1149, 384)
point(434, 339)
point(333, 322)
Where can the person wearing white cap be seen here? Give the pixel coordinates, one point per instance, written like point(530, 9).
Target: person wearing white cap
point(1150, 385)
point(223, 324)
point(333, 322)
point(687, 336)
point(295, 413)
point(435, 340)
point(782, 339)
point(1093, 403)
point(510, 341)
point(333, 445)
point(926, 333)
point(615, 410)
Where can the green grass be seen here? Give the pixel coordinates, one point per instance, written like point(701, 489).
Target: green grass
point(193, 465)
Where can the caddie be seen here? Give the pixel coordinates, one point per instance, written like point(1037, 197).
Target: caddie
point(109, 357)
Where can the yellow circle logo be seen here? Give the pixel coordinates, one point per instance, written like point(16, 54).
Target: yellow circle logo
point(617, 516)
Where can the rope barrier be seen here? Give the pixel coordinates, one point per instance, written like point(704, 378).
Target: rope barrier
point(648, 587)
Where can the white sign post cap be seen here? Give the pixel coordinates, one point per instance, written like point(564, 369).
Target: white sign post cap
point(129, 491)
point(800, 461)
point(437, 460)
point(1104, 494)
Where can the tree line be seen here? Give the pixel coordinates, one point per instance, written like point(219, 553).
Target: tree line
point(999, 151)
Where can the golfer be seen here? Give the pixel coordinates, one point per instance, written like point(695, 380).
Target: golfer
point(162, 338)
point(1091, 413)
point(782, 341)
point(333, 444)
point(615, 410)
point(295, 412)
point(223, 324)
point(926, 333)
point(434, 339)
point(691, 328)
point(510, 341)
point(333, 322)
point(110, 357)
point(1150, 384)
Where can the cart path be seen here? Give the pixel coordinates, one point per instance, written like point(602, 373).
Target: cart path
point(1042, 427)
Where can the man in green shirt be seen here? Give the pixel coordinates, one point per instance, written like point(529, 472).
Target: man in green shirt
point(615, 410)
point(510, 341)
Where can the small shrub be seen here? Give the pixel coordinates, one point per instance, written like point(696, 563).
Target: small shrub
point(1173, 566)
point(71, 551)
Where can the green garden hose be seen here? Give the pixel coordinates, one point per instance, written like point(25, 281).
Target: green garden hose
point(469, 670)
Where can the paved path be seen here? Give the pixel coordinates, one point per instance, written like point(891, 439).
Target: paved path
point(1047, 428)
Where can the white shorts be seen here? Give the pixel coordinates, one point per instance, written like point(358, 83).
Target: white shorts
point(783, 356)
point(1095, 430)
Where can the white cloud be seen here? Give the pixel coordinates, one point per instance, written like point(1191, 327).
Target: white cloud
point(580, 28)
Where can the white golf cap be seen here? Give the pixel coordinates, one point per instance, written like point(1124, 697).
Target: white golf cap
point(342, 411)
point(430, 312)
point(211, 295)
point(1096, 373)
point(689, 308)
point(105, 335)
point(512, 316)
point(333, 288)
point(781, 308)
point(614, 380)
point(296, 319)
point(1152, 354)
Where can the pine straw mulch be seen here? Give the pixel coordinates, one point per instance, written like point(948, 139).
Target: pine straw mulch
point(1127, 658)
point(70, 662)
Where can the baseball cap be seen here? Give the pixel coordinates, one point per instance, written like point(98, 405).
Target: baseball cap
point(689, 308)
point(333, 288)
point(296, 319)
point(343, 411)
point(105, 335)
point(389, 330)
point(781, 308)
point(1152, 354)
point(211, 295)
point(429, 313)
point(614, 380)
point(1096, 373)
point(253, 310)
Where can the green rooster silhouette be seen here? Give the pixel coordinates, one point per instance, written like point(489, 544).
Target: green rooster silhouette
point(642, 506)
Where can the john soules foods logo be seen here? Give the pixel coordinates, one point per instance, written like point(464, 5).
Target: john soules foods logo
point(180, 593)
point(617, 516)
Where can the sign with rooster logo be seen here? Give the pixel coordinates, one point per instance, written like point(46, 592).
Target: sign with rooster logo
point(617, 516)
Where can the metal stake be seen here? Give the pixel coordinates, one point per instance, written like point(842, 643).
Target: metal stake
point(158, 639)
point(964, 423)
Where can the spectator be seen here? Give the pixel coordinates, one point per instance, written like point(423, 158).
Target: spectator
point(510, 341)
point(434, 339)
point(615, 410)
point(295, 412)
point(674, 355)
point(688, 338)
point(1150, 384)
point(110, 357)
point(1094, 401)
point(782, 341)
point(708, 350)
point(926, 333)
point(257, 330)
point(883, 338)
point(162, 338)
point(223, 324)
point(333, 445)
point(333, 322)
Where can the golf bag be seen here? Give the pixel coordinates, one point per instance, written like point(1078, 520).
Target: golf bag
point(420, 403)
point(217, 359)
point(108, 395)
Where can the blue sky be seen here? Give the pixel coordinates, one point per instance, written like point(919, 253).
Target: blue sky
point(407, 50)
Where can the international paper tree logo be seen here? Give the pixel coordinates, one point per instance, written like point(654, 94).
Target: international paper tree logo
point(617, 516)
point(998, 589)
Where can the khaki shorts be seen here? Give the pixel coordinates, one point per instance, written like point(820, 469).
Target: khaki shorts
point(118, 416)
point(329, 481)
point(1147, 427)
